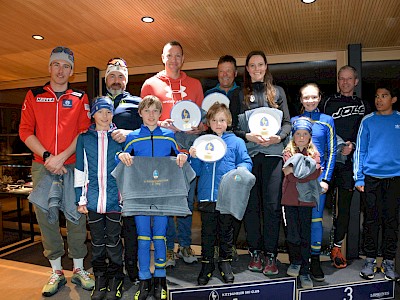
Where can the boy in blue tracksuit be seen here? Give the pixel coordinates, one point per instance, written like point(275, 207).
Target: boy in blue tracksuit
point(324, 138)
point(154, 141)
point(210, 173)
point(377, 173)
point(97, 196)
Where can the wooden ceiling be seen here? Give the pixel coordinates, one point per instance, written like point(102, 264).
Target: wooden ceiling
point(101, 29)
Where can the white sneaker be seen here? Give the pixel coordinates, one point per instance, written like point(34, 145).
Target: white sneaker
point(187, 254)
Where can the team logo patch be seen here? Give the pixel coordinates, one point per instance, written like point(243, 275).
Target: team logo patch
point(67, 103)
point(42, 99)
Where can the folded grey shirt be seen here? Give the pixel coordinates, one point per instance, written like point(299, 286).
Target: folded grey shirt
point(303, 166)
point(234, 191)
point(154, 186)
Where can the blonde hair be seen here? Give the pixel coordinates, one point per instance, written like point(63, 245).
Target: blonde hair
point(216, 108)
point(293, 149)
point(149, 101)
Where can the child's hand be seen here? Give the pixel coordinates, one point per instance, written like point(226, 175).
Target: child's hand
point(288, 170)
point(192, 152)
point(181, 159)
point(324, 186)
point(82, 209)
point(126, 159)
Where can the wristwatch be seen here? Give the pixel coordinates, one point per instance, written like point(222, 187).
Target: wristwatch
point(46, 155)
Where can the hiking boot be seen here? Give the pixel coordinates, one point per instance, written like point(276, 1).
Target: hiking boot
point(187, 254)
point(132, 272)
point(115, 286)
point(82, 278)
point(235, 256)
point(387, 268)
point(337, 258)
point(315, 268)
point(100, 288)
point(170, 259)
point(270, 265)
point(160, 288)
point(143, 290)
point(55, 282)
point(306, 282)
point(256, 262)
point(207, 269)
point(369, 269)
point(225, 268)
point(293, 270)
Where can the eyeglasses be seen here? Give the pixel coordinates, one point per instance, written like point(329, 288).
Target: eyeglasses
point(63, 49)
point(117, 61)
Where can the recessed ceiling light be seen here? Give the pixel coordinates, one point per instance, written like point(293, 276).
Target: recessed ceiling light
point(307, 1)
point(37, 37)
point(147, 19)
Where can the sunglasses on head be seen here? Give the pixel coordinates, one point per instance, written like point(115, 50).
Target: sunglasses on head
point(63, 49)
point(117, 61)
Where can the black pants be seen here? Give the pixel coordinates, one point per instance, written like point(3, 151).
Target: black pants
point(105, 232)
point(130, 243)
point(216, 226)
point(299, 236)
point(264, 204)
point(382, 201)
point(343, 180)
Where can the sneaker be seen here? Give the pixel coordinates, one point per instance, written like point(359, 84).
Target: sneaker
point(256, 262)
point(315, 269)
point(55, 282)
point(270, 265)
point(235, 256)
point(187, 254)
point(387, 268)
point(369, 269)
point(293, 270)
point(337, 258)
point(306, 282)
point(170, 259)
point(82, 278)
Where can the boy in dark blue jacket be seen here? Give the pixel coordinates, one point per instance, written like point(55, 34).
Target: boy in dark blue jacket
point(97, 196)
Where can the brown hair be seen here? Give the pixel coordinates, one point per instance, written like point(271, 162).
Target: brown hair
point(216, 108)
point(149, 101)
point(270, 91)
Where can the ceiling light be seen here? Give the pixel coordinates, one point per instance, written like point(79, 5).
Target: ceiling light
point(147, 19)
point(37, 37)
point(307, 1)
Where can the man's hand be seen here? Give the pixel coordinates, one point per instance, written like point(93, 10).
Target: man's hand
point(126, 158)
point(348, 148)
point(360, 188)
point(55, 165)
point(119, 135)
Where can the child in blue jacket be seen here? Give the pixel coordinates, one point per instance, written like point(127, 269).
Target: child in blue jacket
point(377, 173)
point(215, 224)
point(97, 196)
point(154, 141)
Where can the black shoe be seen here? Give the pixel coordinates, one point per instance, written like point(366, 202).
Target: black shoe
point(207, 269)
point(160, 288)
point(133, 272)
point(143, 290)
point(100, 288)
point(115, 286)
point(225, 268)
point(315, 268)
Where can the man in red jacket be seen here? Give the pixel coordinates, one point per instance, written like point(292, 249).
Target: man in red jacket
point(52, 118)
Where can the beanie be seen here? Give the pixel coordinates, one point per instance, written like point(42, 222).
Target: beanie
point(101, 102)
point(62, 53)
point(302, 123)
point(117, 65)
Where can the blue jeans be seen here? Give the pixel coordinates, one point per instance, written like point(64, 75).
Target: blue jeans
point(184, 224)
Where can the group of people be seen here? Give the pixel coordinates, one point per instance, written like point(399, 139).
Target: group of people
point(330, 145)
